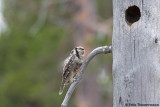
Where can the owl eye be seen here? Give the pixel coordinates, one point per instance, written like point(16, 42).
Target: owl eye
point(72, 51)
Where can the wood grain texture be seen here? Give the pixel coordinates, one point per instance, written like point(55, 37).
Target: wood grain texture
point(136, 56)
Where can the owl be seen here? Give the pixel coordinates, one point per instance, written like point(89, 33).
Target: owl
point(71, 67)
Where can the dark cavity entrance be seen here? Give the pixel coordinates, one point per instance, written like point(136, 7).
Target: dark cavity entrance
point(132, 14)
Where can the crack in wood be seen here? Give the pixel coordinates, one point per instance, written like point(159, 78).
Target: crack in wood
point(134, 49)
point(120, 100)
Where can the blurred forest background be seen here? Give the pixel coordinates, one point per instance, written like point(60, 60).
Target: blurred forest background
point(37, 35)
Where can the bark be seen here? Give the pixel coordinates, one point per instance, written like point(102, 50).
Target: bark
point(136, 52)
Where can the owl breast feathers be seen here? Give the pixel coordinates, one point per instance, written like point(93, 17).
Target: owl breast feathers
point(71, 67)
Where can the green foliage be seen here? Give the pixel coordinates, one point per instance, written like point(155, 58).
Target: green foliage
point(28, 67)
point(29, 63)
point(104, 8)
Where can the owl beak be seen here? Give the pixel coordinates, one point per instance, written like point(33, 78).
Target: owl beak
point(83, 53)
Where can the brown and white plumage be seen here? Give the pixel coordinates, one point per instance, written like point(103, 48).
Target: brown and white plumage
point(72, 65)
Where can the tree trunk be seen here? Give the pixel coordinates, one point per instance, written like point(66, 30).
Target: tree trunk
point(2, 22)
point(84, 33)
point(136, 52)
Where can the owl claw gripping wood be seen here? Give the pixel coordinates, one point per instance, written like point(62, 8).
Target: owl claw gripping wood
point(71, 67)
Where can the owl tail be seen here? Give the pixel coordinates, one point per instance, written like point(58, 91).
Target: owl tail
point(61, 88)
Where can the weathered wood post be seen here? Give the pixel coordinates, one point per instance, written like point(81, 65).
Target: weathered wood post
point(136, 53)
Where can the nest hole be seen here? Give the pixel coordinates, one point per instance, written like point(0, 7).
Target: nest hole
point(132, 14)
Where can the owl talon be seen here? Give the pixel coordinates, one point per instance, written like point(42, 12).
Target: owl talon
point(75, 79)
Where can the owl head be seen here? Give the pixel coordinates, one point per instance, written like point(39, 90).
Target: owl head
point(78, 51)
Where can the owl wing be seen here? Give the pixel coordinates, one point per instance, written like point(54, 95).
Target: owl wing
point(68, 66)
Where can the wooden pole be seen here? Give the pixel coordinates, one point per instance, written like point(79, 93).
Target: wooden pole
point(136, 53)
